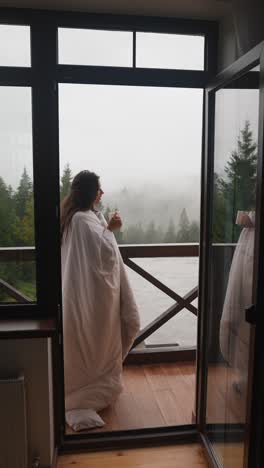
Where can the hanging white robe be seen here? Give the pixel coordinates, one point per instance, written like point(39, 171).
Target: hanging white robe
point(100, 316)
point(234, 330)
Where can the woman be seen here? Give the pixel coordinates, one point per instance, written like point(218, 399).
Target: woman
point(100, 316)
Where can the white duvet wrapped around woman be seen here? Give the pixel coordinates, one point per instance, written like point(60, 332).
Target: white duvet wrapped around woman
point(100, 316)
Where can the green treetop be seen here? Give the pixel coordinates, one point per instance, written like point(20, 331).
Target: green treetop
point(183, 233)
point(23, 194)
point(170, 235)
point(237, 190)
point(7, 215)
point(66, 180)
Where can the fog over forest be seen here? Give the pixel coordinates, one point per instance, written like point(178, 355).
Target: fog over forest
point(156, 203)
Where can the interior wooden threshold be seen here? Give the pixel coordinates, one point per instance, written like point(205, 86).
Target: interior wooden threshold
point(178, 456)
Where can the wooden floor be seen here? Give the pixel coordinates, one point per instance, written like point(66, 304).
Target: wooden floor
point(163, 395)
point(177, 456)
point(153, 396)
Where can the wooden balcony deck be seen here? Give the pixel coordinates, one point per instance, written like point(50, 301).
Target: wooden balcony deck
point(153, 396)
point(159, 395)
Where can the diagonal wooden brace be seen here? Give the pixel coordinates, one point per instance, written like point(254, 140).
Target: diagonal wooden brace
point(185, 303)
point(165, 317)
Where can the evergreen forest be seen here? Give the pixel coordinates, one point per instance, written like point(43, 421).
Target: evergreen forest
point(232, 191)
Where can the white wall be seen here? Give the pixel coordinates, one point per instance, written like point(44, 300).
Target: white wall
point(32, 357)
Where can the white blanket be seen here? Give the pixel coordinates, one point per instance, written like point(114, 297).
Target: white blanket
point(100, 316)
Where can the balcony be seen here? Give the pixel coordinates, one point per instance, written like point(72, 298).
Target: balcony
point(151, 317)
point(159, 373)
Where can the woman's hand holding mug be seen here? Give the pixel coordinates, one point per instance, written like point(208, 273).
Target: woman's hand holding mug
point(115, 221)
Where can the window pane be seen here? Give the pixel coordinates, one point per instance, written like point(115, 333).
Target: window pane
point(17, 276)
point(92, 47)
point(173, 51)
point(15, 46)
point(145, 143)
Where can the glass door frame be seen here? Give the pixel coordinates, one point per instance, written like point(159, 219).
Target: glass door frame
point(43, 77)
point(132, 437)
point(255, 407)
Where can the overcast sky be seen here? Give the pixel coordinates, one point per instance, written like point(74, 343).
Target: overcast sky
point(129, 135)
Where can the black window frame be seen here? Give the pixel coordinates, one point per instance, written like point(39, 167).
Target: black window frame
point(43, 77)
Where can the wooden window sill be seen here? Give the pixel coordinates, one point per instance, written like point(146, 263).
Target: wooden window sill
point(27, 328)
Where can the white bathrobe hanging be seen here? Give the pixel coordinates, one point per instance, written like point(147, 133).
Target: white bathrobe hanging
point(100, 316)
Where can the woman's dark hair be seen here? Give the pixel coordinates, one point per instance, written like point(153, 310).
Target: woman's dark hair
point(83, 192)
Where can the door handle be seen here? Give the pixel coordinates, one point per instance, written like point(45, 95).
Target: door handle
point(250, 314)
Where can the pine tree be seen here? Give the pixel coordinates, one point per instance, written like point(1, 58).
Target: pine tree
point(25, 228)
point(170, 235)
point(238, 187)
point(66, 180)
point(218, 212)
point(194, 232)
point(7, 215)
point(17, 229)
point(134, 234)
point(23, 194)
point(183, 234)
point(160, 234)
point(151, 234)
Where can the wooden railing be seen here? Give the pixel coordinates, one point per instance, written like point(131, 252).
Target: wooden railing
point(128, 252)
point(15, 254)
point(13, 292)
point(154, 251)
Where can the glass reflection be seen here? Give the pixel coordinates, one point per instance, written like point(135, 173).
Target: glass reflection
point(231, 265)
